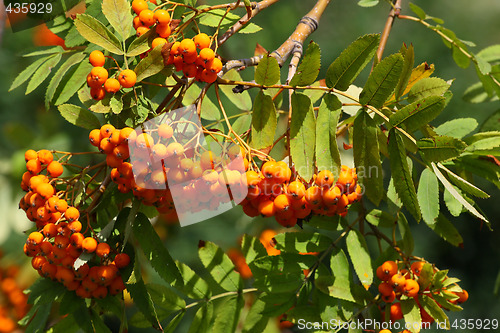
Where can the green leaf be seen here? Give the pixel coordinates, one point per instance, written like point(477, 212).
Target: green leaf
point(44, 291)
point(141, 44)
point(360, 257)
point(151, 65)
point(368, 3)
point(252, 248)
point(446, 230)
point(430, 86)
point(302, 135)
point(382, 81)
point(78, 116)
point(27, 72)
point(463, 184)
point(268, 71)
point(418, 113)
point(418, 11)
point(165, 298)
point(409, 60)
point(192, 284)
point(411, 314)
point(407, 243)
point(491, 124)
point(338, 284)
point(98, 323)
point(483, 141)
point(482, 65)
point(327, 150)
point(308, 70)
point(457, 128)
point(72, 82)
point(228, 314)
point(250, 28)
point(65, 325)
point(431, 307)
point(242, 100)
point(220, 267)
point(263, 121)
point(39, 320)
point(95, 32)
point(302, 242)
point(490, 53)
point(477, 93)
point(209, 110)
point(344, 70)
point(142, 299)
point(43, 72)
point(118, 14)
point(403, 181)
point(172, 325)
point(56, 79)
point(367, 156)
point(242, 123)
point(255, 321)
point(457, 196)
point(428, 196)
point(44, 51)
point(454, 206)
point(380, 218)
point(217, 17)
point(440, 148)
point(154, 250)
point(202, 318)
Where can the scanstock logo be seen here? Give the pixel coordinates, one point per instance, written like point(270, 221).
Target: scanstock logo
point(202, 175)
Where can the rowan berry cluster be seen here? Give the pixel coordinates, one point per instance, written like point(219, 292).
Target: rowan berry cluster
point(59, 240)
point(397, 282)
point(272, 193)
point(13, 302)
point(160, 162)
point(147, 18)
point(99, 81)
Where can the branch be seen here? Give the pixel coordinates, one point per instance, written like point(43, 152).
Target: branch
point(396, 9)
point(256, 8)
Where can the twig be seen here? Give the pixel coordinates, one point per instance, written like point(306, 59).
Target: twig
point(388, 26)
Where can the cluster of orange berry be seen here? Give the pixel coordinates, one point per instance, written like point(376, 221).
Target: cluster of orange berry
point(99, 81)
point(396, 283)
point(13, 302)
point(147, 18)
point(271, 193)
point(58, 240)
point(158, 157)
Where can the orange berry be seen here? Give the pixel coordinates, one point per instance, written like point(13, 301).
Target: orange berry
point(387, 270)
point(139, 5)
point(72, 214)
point(252, 179)
point(214, 65)
point(97, 58)
point(137, 22)
point(266, 207)
point(106, 130)
point(396, 312)
point(324, 179)
point(116, 286)
point(174, 49)
point(61, 205)
point(208, 76)
point(332, 195)
point(147, 17)
point(100, 292)
point(112, 85)
point(98, 75)
point(89, 245)
point(163, 30)
point(144, 140)
point(97, 93)
point(45, 156)
point(190, 70)
point(45, 190)
point(61, 242)
point(269, 169)
point(313, 196)
point(187, 47)
point(286, 220)
point(175, 149)
point(55, 169)
point(95, 137)
point(30, 154)
point(411, 288)
point(35, 238)
point(37, 262)
point(122, 260)
point(398, 281)
point(162, 16)
point(121, 151)
point(296, 190)
point(75, 226)
point(141, 31)
point(282, 203)
point(462, 296)
point(34, 166)
point(103, 250)
point(127, 134)
point(165, 131)
point(158, 41)
point(202, 41)
point(385, 288)
point(127, 78)
point(77, 239)
point(283, 172)
point(416, 267)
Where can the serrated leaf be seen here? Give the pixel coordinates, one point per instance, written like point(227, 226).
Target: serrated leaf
point(411, 314)
point(308, 70)
point(403, 181)
point(420, 72)
point(154, 250)
point(483, 141)
point(242, 100)
point(78, 116)
point(368, 3)
point(457, 196)
point(44, 51)
point(440, 148)
point(302, 135)
point(39, 320)
point(268, 71)
point(172, 325)
point(428, 196)
point(27, 73)
point(220, 267)
point(141, 44)
point(446, 230)
point(56, 79)
point(344, 70)
point(382, 81)
point(217, 17)
point(367, 156)
point(151, 65)
point(409, 59)
point(454, 206)
point(360, 257)
point(263, 121)
point(491, 124)
point(327, 150)
point(431, 307)
point(43, 72)
point(252, 248)
point(202, 318)
point(463, 184)
point(191, 284)
point(228, 314)
point(118, 14)
point(72, 82)
point(302, 242)
point(250, 28)
point(142, 299)
point(342, 286)
point(418, 11)
point(418, 113)
point(431, 86)
point(255, 321)
point(44, 291)
point(96, 32)
point(380, 218)
point(457, 128)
